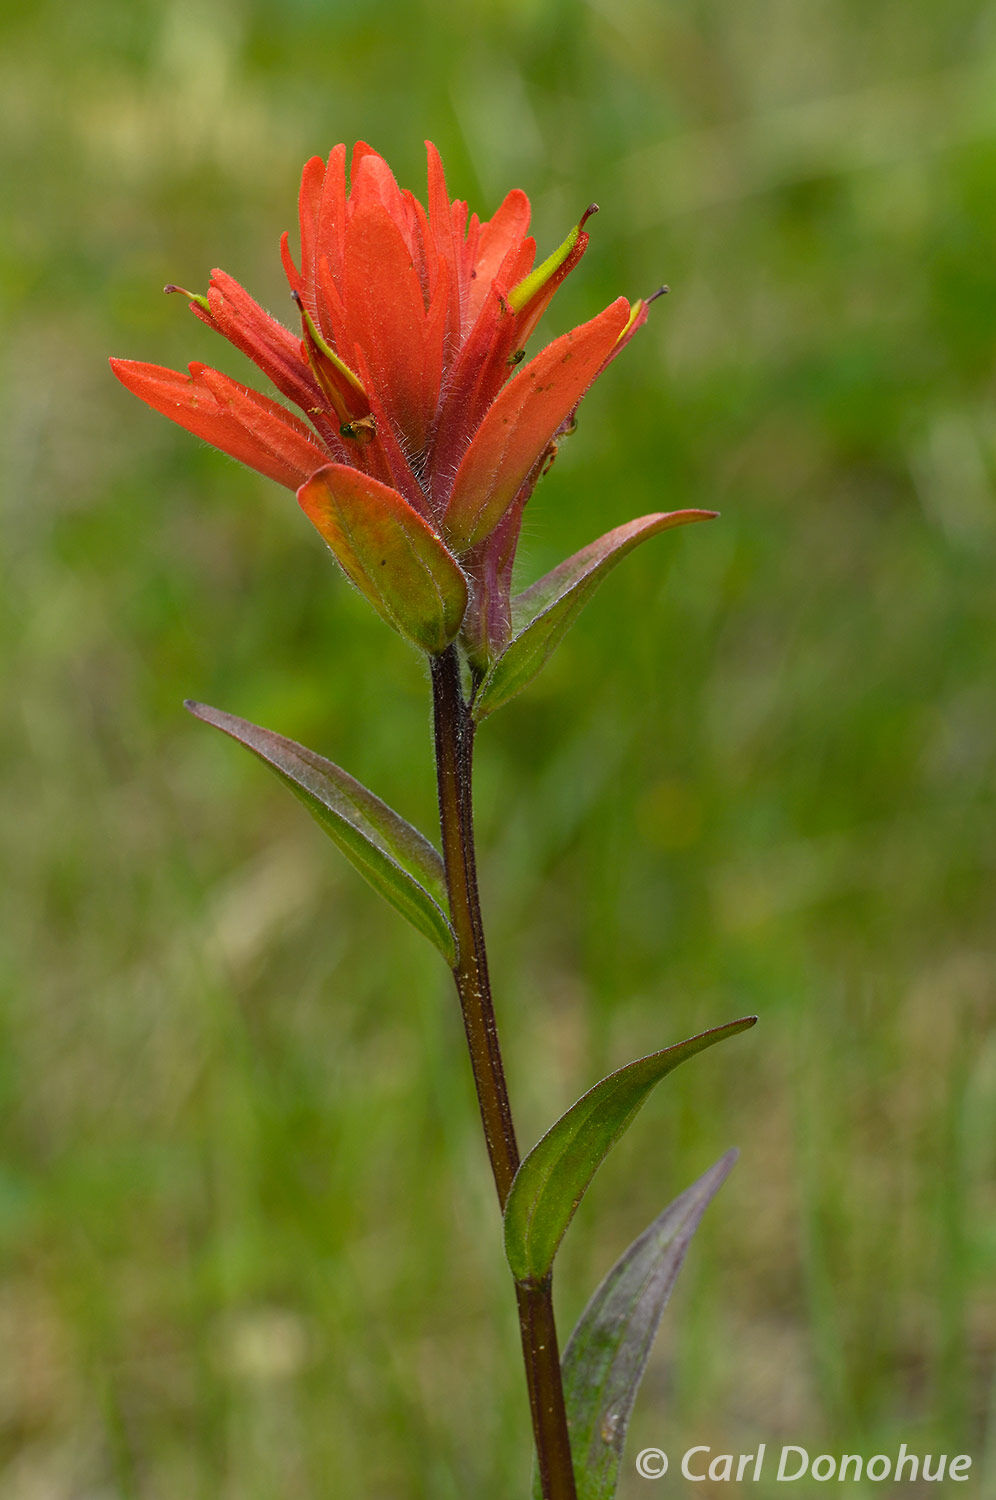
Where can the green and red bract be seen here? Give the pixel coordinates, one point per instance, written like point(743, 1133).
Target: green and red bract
point(408, 370)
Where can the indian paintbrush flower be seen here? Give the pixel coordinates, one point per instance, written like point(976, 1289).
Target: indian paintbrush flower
point(424, 429)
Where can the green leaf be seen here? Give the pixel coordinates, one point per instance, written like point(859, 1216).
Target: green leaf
point(607, 1353)
point(553, 1178)
point(388, 852)
point(543, 613)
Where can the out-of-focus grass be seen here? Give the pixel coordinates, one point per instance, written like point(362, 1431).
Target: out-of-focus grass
point(248, 1248)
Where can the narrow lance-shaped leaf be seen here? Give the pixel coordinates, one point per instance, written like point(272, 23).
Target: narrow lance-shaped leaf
point(394, 857)
point(543, 613)
point(607, 1353)
point(553, 1178)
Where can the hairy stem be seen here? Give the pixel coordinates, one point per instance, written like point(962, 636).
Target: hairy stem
point(454, 739)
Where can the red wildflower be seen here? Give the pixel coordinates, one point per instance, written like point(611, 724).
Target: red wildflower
point(426, 434)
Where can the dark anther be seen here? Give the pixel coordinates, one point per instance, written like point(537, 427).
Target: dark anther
point(360, 430)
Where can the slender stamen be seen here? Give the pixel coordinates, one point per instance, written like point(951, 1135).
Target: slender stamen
point(329, 353)
point(340, 384)
point(524, 290)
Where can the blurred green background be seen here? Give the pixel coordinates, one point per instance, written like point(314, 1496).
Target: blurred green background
point(247, 1238)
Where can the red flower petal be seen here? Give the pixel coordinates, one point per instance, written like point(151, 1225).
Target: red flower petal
point(240, 422)
point(277, 351)
point(430, 266)
point(332, 211)
point(385, 458)
point(504, 231)
point(294, 278)
point(441, 227)
point(386, 315)
point(479, 371)
point(519, 426)
point(372, 181)
point(309, 209)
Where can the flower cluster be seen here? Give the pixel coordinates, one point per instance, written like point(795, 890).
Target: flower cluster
point(423, 429)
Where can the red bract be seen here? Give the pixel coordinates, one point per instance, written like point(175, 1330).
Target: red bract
point(408, 370)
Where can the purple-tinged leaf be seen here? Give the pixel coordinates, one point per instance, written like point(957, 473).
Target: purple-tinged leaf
point(608, 1351)
point(554, 1177)
point(393, 856)
point(543, 613)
